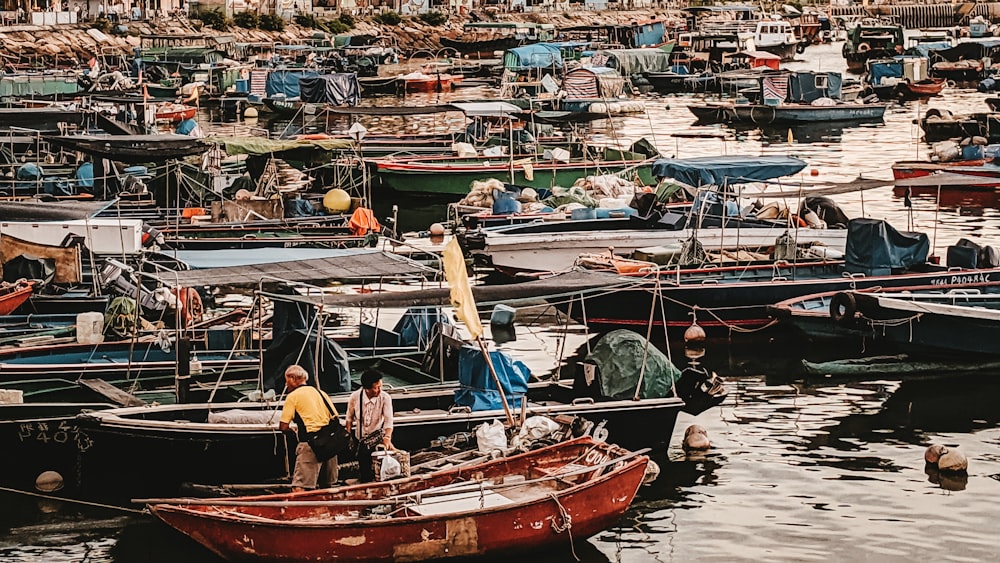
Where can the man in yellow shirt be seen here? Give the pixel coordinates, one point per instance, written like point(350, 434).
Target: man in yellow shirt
point(305, 404)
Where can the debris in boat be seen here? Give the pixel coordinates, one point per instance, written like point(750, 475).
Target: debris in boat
point(696, 439)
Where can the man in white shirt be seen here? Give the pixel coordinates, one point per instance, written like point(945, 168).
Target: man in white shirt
point(374, 420)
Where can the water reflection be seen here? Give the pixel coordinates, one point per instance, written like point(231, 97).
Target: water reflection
point(966, 201)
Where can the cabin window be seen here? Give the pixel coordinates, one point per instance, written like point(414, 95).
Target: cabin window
point(822, 82)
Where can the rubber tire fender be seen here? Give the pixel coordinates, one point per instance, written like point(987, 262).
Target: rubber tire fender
point(843, 307)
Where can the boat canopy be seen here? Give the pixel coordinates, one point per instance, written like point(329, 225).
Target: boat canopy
point(262, 146)
point(286, 81)
point(486, 109)
point(723, 170)
point(593, 82)
point(968, 50)
point(539, 55)
point(807, 87)
point(189, 55)
point(338, 88)
point(875, 248)
point(361, 264)
point(924, 49)
point(565, 284)
point(634, 61)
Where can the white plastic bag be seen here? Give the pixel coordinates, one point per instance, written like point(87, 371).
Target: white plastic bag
point(534, 428)
point(390, 467)
point(491, 436)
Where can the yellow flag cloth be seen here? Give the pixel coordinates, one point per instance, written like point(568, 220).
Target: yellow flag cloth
point(461, 292)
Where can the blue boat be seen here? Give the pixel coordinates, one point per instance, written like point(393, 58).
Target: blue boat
point(798, 97)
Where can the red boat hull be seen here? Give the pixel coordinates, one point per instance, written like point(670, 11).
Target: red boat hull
point(178, 115)
point(436, 83)
point(14, 296)
point(923, 88)
point(917, 169)
point(285, 531)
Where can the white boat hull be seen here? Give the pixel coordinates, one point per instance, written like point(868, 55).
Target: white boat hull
point(553, 252)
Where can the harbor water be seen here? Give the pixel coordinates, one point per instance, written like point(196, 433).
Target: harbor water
point(799, 469)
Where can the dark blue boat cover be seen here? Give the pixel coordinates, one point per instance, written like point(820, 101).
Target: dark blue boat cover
point(341, 88)
point(970, 50)
point(877, 71)
point(802, 86)
point(874, 248)
point(416, 325)
point(722, 170)
point(477, 389)
point(286, 82)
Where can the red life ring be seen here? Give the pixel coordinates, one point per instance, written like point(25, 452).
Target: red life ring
point(864, 48)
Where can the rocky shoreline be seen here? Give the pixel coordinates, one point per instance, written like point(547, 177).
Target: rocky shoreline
point(75, 43)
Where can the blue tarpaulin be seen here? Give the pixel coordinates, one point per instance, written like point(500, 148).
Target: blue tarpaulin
point(286, 82)
point(478, 391)
point(879, 71)
point(721, 170)
point(539, 55)
point(335, 88)
point(415, 326)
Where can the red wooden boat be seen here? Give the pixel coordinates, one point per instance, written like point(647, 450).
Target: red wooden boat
point(906, 169)
point(922, 88)
point(565, 492)
point(420, 82)
point(175, 112)
point(12, 295)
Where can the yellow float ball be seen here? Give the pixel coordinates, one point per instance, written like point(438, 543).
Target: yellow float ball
point(337, 201)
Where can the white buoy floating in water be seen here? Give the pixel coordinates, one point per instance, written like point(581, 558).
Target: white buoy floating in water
point(696, 439)
point(945, 458)
point(49, 481)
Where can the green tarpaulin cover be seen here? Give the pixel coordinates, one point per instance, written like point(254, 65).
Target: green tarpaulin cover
point(619, 357)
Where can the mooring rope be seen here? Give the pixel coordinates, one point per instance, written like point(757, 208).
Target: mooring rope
point(74, 501)
point(566, 526)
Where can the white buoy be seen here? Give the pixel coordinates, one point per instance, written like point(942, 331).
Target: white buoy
point(696, 439)
point(652, 472)
point(953, 460)
point(437, 229)
point(250, 112)
point(934, 452)
point(49, 482)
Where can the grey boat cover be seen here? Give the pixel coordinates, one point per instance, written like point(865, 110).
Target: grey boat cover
point(360, 265)
point(339, 89)
point(874, 248)
point(561, 286)
point(619, 358)
point(723, 170)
